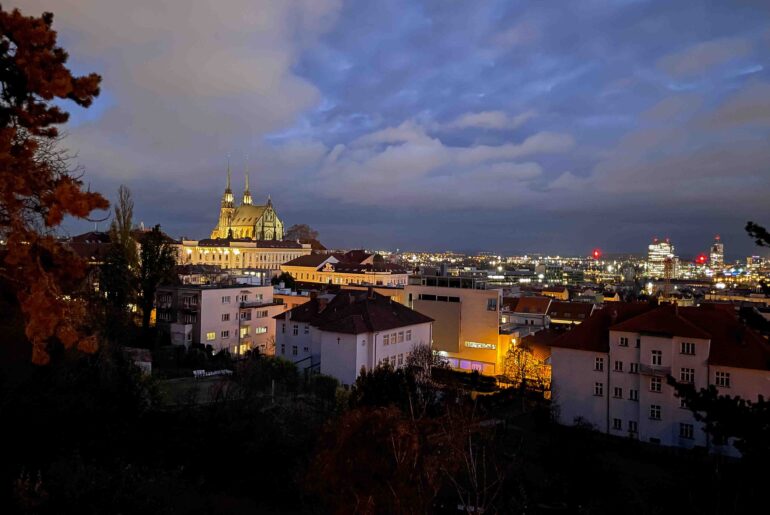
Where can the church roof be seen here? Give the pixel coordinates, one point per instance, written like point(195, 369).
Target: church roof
point(247, 215)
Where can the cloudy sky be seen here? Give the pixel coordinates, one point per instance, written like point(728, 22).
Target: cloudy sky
point(510, 126)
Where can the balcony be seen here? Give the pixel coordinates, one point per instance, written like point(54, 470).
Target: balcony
point(654, 370)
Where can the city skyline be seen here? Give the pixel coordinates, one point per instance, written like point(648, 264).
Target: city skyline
point(413, 125)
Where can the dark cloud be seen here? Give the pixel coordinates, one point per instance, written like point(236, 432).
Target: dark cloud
point(516, 126)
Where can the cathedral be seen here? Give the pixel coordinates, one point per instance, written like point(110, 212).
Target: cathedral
point(247, 221)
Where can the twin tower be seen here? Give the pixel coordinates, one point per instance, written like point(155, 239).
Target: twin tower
point(247, 221)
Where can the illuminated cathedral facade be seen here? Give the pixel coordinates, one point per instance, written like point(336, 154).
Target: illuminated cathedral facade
point(247, 221)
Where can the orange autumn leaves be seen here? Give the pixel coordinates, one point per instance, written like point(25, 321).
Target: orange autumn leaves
point(36, 191)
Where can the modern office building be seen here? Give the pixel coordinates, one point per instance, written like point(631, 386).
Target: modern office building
point(717, 254)
point(466, 330)
point(660, 255)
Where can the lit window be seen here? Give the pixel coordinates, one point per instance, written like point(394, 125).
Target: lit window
point(211, 336)
point(244, 331)
point(260, 330)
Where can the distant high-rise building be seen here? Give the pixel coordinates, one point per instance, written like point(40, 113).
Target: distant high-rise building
point(717, 256)
point(657, 254)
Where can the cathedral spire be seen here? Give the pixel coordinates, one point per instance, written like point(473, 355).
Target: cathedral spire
point(227, 198)
point(227, 188)
point(246, 193)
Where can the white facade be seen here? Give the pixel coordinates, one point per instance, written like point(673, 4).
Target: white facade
point(342, 355)
point(624, 392)
point(234, 318)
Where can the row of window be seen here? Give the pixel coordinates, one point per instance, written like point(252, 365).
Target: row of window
point(686, 374)
point(393, 361)
point(685, 347)
point(294, 349)
point(393, 338)
point(295, 329)
point(239, 298)
point(685, 430)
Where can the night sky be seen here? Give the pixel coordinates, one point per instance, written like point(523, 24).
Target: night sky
point(466, 125)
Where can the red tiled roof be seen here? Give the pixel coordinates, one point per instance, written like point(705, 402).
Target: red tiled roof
point(533, 305)
point(570, 310)
point(355, 312)
point(732, 343)
point(593, 334)
point(663, 321)
point(510, 303)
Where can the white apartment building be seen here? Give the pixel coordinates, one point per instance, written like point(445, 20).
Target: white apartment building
point(233, 317)
point(611, 371)
point(339, 334)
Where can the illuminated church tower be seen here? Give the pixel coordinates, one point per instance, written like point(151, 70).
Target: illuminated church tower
point(247, 221)
point(226, 211)
point(246, 193)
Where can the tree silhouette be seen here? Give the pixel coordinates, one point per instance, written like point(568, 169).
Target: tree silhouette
point(760, 234)
point(156, 266)
point(37, 187)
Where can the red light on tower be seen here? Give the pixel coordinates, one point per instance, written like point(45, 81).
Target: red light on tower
point(702, 259)
point(597, 253)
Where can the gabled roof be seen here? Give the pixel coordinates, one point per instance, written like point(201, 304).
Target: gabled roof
point(312, 260)
point(533, 305)
point(570, 310)
point(732, 343)
point(593, 334)
point(663, 321)
point(355, 312)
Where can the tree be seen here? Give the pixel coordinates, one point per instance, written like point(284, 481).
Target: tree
point(118, 273)
point(157, 261)
point(523, 369)
point(285, 278)
point(301, 232)
point(727, 417)
point(760, 234)
point(37, 186)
